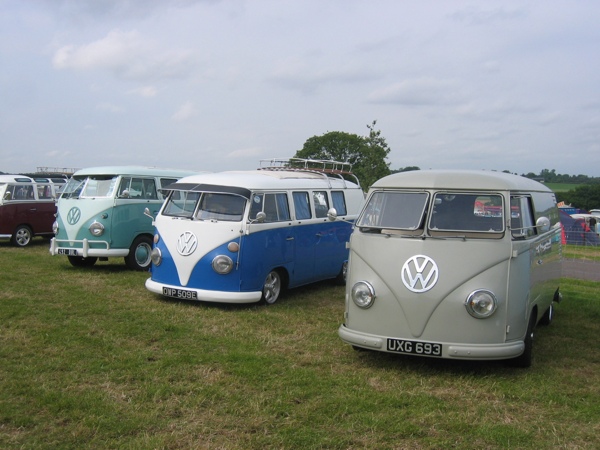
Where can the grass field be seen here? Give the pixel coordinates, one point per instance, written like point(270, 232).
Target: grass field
point(562, 187)
point(91, 359)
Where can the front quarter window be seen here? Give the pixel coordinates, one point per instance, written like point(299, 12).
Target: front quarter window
point(181, 204)
point(394, 210)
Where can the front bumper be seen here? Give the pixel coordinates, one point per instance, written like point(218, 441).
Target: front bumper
point(83, 249)
point(450, 350)
point(208, 296)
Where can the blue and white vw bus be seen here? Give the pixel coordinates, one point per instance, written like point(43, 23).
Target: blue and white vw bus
point(101, 214)
point(242, 237)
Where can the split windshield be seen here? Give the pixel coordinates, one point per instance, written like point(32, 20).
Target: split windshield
point(92, 186)
point(205, 206)
point(451, 211)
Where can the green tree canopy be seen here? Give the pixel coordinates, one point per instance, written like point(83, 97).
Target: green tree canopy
point(586, 196)
point(366, 154)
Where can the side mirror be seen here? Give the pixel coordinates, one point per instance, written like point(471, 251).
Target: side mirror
point(147, 213)
point(332, 214)
point(125, 194)
point(260, 217)
point(7, 196)
point(543, 224)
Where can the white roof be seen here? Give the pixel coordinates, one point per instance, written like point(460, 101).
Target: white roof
point(134, 170)
point(460, 180)
point(269, 180)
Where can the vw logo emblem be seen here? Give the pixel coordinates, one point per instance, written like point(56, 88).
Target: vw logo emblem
point(74, 215)
point(187, 243)
point(419, 273)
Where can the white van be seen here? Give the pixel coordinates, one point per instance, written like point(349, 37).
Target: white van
point(27, 208)
point(244, 236)
point(453, 264)
point(101, 214)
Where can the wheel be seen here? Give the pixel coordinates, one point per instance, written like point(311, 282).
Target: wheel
point(271, 288)
point(139, 254)
point(548, 315)
point(341, 277)
point(22, 236)
point(525, 359)
point(80, 261)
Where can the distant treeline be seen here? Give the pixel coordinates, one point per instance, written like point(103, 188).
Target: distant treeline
point(546, 176)
point(550, 176)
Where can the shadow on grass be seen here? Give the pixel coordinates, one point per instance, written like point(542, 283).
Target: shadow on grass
point(295, 297)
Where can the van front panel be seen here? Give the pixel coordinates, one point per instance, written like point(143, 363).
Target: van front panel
point(421, 287)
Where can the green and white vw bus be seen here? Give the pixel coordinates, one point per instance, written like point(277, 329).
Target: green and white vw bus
point(100, 214)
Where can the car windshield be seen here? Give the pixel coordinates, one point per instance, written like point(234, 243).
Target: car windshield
point(472, 212)
point(205, 206)
point(92, 186)
point(394, 210)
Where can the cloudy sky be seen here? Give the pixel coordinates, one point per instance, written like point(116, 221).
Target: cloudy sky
point(217, 85)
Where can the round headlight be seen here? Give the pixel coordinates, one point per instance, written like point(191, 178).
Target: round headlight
point(97, 229)
point(222, 264)
point(363, 294)
point(156, 256)
point(55, 227)
point(481, 304)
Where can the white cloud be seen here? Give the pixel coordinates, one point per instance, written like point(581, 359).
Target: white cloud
point(184, 112)
point(128, 55)
point(144, 91)
point(244, 153)
point(110, 107)
point(418, 92)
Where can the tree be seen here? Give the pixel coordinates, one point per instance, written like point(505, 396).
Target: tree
point(406, 169)
point(586, 196)
point(366, 154)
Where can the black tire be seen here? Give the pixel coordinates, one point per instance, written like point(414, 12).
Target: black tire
point(22, 236)
point(341, 277)
point(548, 316)
point(80, 261)
point(139, 254)
point(526, 358)
point(271, 288)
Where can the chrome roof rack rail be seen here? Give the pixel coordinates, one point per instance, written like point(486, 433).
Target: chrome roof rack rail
point(327, 168)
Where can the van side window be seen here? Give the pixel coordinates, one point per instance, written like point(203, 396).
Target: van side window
point(134, 187)
point(149, 189)
point(275, 206)
point(339, 202)
point(301, 205)
point(321, 203)
point(521, 217)
point(10, 193)
point(44, 191)
point(23, 192)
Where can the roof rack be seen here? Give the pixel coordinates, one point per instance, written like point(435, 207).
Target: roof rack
point(328, 168)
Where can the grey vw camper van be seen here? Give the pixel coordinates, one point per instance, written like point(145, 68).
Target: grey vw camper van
point(453, 264)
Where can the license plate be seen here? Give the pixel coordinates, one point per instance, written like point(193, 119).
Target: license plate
point(413, 347)
point(180, 293)
point(67, 251)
